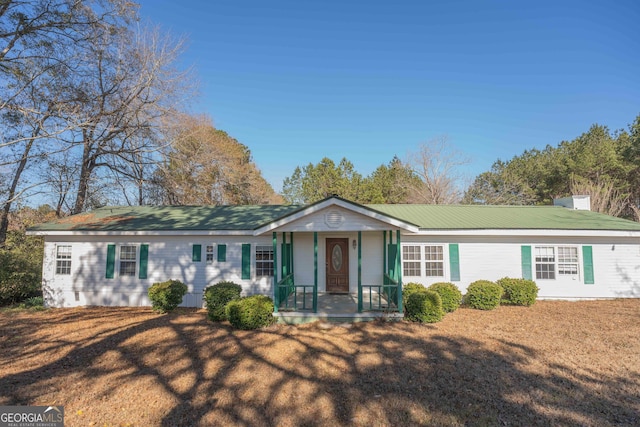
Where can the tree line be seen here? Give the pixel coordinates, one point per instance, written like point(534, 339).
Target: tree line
point(602, 163)
point(431, 175)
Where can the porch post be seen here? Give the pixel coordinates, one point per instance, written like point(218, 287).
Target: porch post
point(276, 291)
point(399, 270)
point(315, 271)
point(284, 265)
point(384, 253)
point(359, 271)
point(291, 253)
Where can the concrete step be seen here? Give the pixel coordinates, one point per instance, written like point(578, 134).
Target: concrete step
point(297, 317)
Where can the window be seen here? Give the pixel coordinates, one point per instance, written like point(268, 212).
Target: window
point(552, 259)
point(434, 265)
point(63, 259)
point(264, 261)
point(545, 262)
point(209, 253)
point(411, 261)
point(127, 260)
point(567, 261)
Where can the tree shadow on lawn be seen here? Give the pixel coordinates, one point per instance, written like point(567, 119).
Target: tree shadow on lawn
point(180, 369)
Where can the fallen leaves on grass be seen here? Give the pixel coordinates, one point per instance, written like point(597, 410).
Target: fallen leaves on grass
point(556, 363)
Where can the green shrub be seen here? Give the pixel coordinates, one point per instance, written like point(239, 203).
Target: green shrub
point(166, 296)
point(424, 306)
point(518, 291)
point(450, 295)
point(218, 296)
point(483, 295)
point(20, 270)
point(18, 287)
point(250, 312)
point(21, 256)
point(410, 288)
point(34, 302)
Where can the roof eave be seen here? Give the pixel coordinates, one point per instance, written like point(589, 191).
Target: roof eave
point(139, 232)
point(529, 232)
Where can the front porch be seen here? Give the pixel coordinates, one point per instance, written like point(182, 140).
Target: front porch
point(376, 294)
point(335, 247)
point(335, 308)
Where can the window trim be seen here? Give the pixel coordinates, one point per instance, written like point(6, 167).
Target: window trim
point(128, 261)
point(569, 263)
point(262, 265)
point(423, 261)
point(66, 260)
point(439, 251)
point(406, 271)
point(208, 251)
point(555, 262)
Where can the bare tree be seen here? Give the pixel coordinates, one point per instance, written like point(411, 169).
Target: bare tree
point(133, 175)
point(605, 196)
point(39, 40)
point(28, 122)
point(60, 175)
point(439, 167)
point(128, 86)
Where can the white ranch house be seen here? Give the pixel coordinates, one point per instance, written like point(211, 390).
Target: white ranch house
point(111, 256)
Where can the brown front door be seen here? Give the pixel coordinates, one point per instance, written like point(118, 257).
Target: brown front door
point(337, 265)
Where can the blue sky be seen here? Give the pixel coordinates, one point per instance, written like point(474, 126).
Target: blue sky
point(299, 80)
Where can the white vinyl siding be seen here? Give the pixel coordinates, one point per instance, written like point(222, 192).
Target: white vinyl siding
point(616, 262)
point(63, 259)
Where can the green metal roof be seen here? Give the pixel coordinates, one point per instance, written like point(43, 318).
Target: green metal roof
point(427, 217)
point(165, 218)
point(474, 217)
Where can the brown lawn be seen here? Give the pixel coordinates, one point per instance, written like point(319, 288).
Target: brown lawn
point(556, 363)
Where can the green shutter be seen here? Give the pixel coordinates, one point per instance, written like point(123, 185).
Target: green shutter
point(144, 258)
point(285, 250)
point(111, 261)
point(587, 258)
point(525, 252)
point(391, 260)
point(246, 261)
point(454, 262)
point(222, 253)
point(197, 253)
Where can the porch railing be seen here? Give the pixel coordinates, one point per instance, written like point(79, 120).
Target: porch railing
point(390, 288)
point(287, 287)
point(388, 296)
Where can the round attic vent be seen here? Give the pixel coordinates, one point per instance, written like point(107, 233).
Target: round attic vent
point(333, 219)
